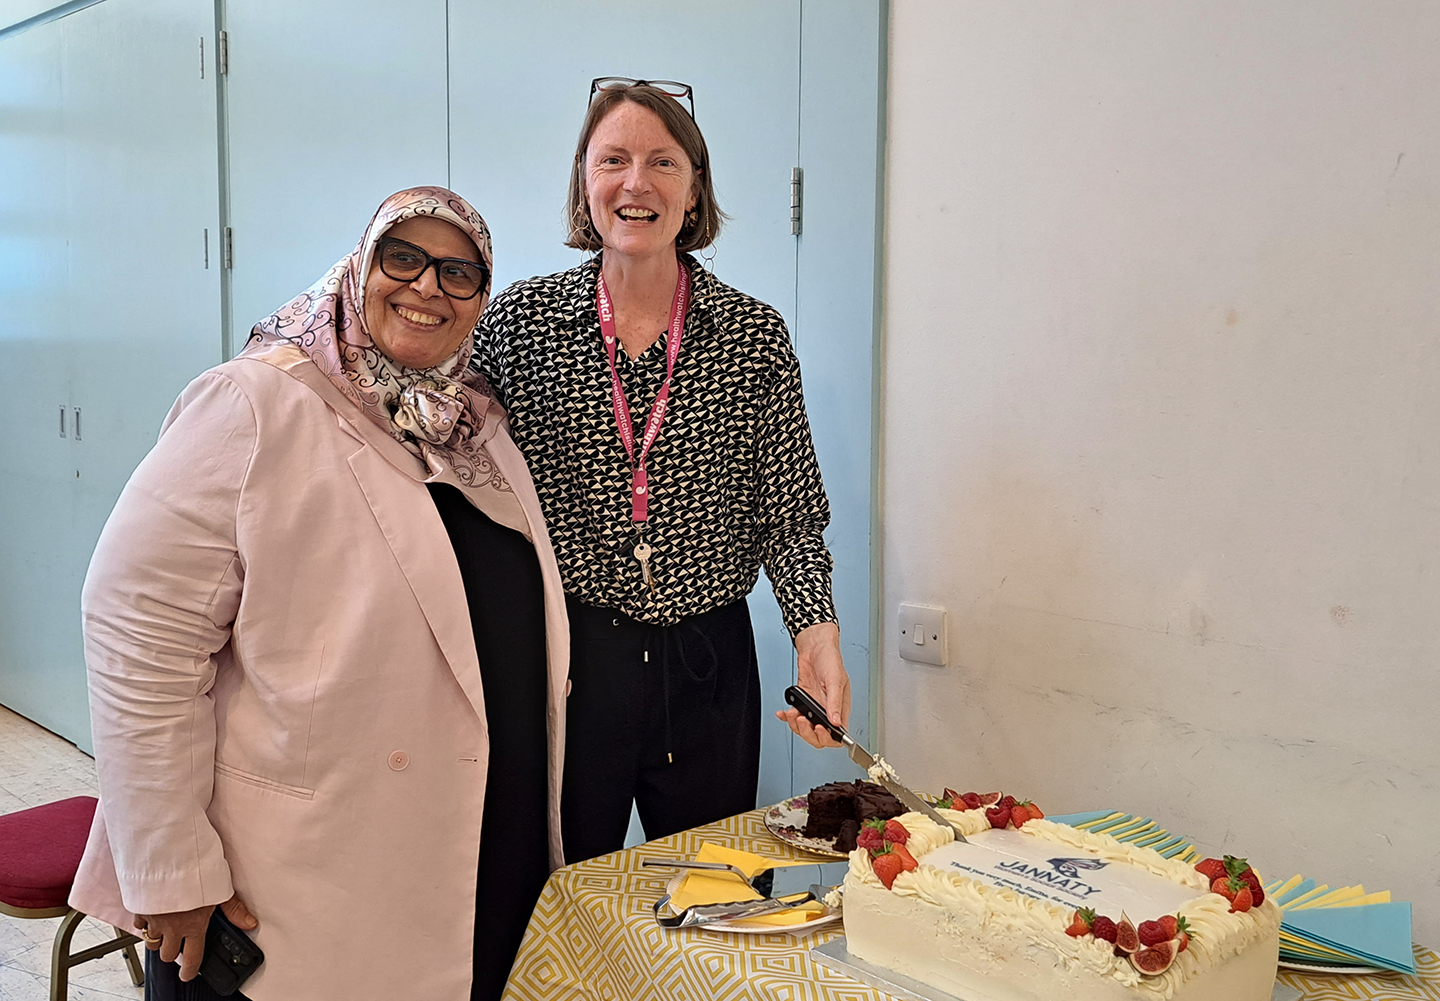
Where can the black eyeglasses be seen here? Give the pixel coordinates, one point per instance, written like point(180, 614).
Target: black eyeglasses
point(670, 88)
point(458, 278)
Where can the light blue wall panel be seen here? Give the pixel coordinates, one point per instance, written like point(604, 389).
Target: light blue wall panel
point(38, 616)
point(520, 79)
point(106, 304)
point(141, 169)
point(331, 105)
point(519, 83)
point(16, 14)
point(841, 118)
point(12, 11)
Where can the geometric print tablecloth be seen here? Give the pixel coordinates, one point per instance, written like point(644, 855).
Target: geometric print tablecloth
point(593, 937)
point(1423, 986)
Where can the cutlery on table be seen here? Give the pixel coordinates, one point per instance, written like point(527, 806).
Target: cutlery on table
point(779, 881)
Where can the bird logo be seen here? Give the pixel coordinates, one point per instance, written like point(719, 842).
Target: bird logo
point(1071, 866)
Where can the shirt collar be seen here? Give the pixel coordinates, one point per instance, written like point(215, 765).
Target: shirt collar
point(581, 290)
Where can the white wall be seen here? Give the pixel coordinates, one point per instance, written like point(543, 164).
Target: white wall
point(1162, 394)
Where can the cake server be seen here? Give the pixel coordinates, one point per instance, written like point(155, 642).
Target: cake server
point(712, 913)
point(780, 881)
point(879, 771)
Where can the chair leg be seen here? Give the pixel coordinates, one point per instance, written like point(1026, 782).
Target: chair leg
point(132, 961)
point(60, 956)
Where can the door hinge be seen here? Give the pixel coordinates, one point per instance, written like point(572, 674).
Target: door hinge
point(223, 58)
point(228, 255)
point(202, 57)
point(797, 189)
point(207, 249)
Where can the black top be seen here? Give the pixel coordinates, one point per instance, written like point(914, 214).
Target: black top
point(507, 611)
point(733, 477)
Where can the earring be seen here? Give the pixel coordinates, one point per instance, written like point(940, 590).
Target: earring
point(707, 254)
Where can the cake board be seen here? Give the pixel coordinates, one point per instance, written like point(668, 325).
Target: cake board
point(834, 955)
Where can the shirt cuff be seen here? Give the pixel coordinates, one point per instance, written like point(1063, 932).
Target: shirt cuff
point(805, 605)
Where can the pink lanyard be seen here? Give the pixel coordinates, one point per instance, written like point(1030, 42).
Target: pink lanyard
point(639, 484)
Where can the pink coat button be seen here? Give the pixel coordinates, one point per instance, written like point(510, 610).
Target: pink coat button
point(398, 760)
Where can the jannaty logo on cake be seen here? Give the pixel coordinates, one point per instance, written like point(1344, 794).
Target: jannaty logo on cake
point(1071, 866)
point(1069, 883)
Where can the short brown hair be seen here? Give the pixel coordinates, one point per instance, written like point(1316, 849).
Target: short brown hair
point(707, 217)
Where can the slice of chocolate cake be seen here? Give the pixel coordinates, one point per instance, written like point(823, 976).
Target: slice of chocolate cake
point(827, 807)
point(873, 800)
point(830, 806)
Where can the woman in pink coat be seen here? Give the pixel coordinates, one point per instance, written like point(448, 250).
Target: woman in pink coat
point(327, 647)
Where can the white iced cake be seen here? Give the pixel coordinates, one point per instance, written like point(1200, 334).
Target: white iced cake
point(1009, 916)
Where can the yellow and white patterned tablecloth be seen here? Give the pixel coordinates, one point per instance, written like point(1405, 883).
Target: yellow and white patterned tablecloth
point(593, 936)
point(1423, 986)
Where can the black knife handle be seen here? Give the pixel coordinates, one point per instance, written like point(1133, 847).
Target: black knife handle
point(812, 710)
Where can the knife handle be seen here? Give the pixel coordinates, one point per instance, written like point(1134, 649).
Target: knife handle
point(813, 711)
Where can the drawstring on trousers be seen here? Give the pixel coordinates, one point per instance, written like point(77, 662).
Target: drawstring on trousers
point(664, 661)
point(664, 634)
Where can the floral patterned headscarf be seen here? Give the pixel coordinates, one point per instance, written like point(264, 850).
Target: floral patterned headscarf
point(445, 414)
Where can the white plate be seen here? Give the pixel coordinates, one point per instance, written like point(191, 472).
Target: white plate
point(1318, 967)
point(786, 820)
point(744, 927)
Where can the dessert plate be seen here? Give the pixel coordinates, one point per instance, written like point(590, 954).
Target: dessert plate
point(743, 927)
point(786, 820)
point(1319, 967)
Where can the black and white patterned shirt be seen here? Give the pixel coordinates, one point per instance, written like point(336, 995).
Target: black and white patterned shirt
point(733, 478)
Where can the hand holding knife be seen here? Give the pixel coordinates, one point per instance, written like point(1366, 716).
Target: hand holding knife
point(820, 670)
point(884, 774)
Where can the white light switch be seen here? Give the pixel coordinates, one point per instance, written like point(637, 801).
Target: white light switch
point(922, 634)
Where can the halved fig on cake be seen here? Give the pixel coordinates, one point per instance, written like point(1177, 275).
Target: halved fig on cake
point(989, 798)
point(1127, 939)
point(1156, 959)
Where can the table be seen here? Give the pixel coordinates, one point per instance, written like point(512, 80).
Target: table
point(1423, 986)
point(593, 936)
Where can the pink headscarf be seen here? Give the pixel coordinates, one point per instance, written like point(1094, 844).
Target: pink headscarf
point(444, 414)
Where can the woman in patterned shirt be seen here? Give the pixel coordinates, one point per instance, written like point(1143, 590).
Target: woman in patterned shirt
point(661, 414)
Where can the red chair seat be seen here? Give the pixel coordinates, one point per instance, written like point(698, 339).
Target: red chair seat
point(40, 850)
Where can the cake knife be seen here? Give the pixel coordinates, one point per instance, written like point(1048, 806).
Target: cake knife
point(883, 773)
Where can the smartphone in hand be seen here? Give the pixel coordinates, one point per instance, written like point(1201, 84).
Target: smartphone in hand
point(230, 957)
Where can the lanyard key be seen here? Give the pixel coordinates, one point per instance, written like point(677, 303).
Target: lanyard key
point(642, 553)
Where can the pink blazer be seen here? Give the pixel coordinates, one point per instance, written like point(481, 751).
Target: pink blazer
point(285, 694)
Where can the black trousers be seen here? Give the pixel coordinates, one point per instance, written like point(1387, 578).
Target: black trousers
point(665, 716)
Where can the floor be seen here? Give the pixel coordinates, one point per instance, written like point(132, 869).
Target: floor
point(38, 767)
